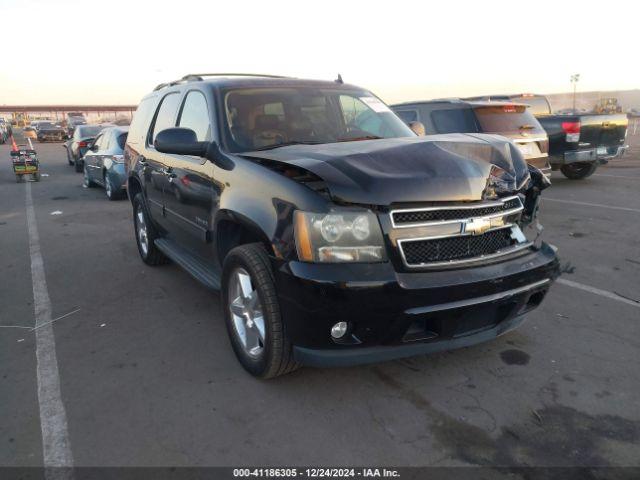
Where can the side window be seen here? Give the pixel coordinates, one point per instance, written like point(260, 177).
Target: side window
point(195, 115)
point(407, 116)
point(98, 142)
point(458, 120)
point(165, 118)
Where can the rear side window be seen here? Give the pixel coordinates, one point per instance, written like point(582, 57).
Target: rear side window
point(140, 121)
point(166, 116)
point(508, 119)
point(407, 116)
point(457, 120)
point(195, 115)
point(122, 139)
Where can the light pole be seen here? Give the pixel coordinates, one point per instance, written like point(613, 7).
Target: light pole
point(574, 79)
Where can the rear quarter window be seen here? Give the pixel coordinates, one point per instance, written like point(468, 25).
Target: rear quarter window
point(141, 118)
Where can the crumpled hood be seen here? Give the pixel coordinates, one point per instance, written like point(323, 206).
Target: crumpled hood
point(452, 167)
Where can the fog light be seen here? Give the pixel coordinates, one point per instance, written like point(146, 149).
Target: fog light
point(339, 329)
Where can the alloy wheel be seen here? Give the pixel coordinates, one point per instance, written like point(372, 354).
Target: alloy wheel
point(141, 227)
point(246, 313)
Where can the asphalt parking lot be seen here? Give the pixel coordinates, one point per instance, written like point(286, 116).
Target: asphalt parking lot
point(148, 378)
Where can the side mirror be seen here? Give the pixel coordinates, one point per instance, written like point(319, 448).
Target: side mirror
point(180, 141)
point(93, 147)
point(418, 128)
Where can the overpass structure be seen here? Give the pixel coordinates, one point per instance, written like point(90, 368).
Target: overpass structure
point(20, 113)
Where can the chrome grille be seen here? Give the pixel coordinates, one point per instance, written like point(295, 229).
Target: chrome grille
point(455, 234)
point(422, 216)
point(456, 248)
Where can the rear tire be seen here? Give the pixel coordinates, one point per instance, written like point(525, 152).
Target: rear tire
point(579, 171)
point(108, 188)
point(146, 234)
point(272, 352)
point(86, 180)
point(79, 165)
point(69, 159)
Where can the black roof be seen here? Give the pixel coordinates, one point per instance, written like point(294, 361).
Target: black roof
point(249, 80)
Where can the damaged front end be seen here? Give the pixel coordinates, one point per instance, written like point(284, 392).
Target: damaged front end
point(443, 202)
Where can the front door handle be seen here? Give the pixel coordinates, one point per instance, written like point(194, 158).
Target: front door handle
point(142, 161)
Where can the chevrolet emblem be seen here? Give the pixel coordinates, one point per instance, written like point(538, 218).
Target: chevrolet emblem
point(477, 226)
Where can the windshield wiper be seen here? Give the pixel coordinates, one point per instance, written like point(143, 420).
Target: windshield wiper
point(356, 139)
point(527, 127)
point(286, 144)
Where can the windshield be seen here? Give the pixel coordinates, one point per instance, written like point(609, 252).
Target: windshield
point(538, 105)
point(508, 119)
point(261, 118)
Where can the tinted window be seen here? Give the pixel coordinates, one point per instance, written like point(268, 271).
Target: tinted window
point(122, 139)
point(457, 120)
point(195, 115)
point(407, 116)
point(166, 116)
point(507, 119)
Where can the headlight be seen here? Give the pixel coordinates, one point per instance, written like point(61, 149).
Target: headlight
point(339, 236)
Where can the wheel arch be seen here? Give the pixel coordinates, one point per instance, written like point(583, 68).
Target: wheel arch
point(233, 229)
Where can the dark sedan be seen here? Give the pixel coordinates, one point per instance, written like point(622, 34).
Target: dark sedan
point(50, 131)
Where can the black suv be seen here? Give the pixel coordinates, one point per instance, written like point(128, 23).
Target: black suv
point(335, 235)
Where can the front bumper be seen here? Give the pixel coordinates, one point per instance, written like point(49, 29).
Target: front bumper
point(393, 314)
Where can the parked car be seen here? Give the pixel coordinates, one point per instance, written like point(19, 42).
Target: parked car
point(578, 142)
point(77, 146)
point(104, 162)
point(73, 120)
point(335, 234)
point(508, 119)
point(50, 131)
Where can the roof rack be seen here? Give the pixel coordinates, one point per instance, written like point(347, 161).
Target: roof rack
point(198, 77)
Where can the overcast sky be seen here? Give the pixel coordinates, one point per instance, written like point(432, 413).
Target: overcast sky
point(115, 51)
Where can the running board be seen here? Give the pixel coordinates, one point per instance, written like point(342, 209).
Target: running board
point(199, 270)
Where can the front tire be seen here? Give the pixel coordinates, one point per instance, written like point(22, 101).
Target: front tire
point(579, 170)
point(252, 313)
point(146, 234)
